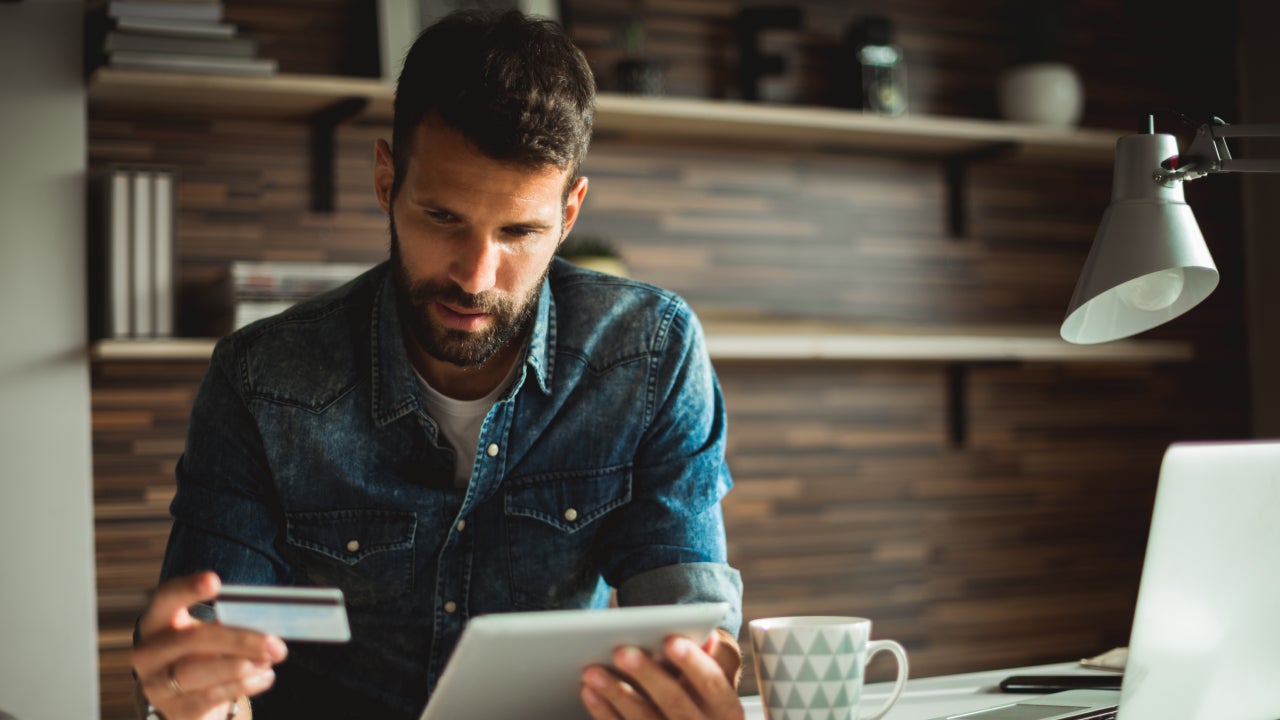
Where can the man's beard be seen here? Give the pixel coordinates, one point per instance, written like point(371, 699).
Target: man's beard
point(510, 320)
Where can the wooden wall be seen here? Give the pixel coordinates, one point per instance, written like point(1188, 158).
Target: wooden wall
point(1022, 545)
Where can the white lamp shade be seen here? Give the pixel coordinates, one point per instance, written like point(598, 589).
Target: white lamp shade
point(1149, 263)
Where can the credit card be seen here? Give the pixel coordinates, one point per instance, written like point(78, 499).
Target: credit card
point(293, 613)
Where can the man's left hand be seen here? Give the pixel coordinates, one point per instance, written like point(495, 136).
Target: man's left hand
point(693, 682)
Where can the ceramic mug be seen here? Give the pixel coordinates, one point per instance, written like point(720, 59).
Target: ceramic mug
point(812, 667)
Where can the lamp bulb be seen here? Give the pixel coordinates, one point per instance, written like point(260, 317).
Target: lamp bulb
point(1155, 291)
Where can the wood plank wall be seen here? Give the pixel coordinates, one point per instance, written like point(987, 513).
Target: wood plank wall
point(1023, 545)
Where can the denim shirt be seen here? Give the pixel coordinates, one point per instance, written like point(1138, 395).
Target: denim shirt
point(310, 460)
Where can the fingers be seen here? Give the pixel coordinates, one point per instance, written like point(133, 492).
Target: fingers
point(173, 597)
point(704, 677)
point(207, 640)
point(189, 669)
point(207, 658)
point(688, 683)
point(608, 697)
point(205, 685)
point(646, 690)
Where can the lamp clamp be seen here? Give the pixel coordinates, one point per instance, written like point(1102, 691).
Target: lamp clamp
point(1208, 153)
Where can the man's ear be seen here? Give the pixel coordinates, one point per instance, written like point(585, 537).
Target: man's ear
point(573, 205)
point(384, 174)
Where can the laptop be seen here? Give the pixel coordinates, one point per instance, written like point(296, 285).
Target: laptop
point(1205, 643)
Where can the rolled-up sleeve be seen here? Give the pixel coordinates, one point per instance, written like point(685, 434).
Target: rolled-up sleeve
point(688, 583)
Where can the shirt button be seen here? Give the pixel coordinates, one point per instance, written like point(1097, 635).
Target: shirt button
point(492, 450)
point(450, 607)
point(570, 514)
point(462, 524)
point(353, 545)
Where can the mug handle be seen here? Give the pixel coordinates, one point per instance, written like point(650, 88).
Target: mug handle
point(875, 646)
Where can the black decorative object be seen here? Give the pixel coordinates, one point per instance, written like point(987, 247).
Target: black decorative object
point(635, 73)
point(752, 62)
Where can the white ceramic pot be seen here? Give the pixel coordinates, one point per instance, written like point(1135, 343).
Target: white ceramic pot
point(1042, 93)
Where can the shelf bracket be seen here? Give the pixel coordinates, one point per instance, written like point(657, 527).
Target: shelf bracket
point(957, 404)
point(957, 170)
point(324, 124)
point(958, 398)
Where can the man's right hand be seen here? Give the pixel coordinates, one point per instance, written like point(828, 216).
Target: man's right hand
point(194, 670)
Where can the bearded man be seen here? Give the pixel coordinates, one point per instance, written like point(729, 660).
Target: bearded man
point(473, 426)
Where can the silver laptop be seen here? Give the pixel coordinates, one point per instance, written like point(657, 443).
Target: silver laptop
point(1206, 634)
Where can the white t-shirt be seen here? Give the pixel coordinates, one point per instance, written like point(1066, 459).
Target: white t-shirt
point(461, 420)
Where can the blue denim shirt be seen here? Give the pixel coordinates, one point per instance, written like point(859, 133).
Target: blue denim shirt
point(310, 460)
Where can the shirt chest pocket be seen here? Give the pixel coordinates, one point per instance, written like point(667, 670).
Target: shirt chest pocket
point(367, 553)
point(552, 527)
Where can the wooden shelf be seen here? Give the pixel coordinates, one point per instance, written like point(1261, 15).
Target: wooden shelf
point(797, 340)
point(280, 97)
point(770, 341)
point(846, 129)
point(304, 97)
point(161, 350)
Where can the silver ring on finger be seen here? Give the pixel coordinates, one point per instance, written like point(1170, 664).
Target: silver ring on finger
point(174, 685)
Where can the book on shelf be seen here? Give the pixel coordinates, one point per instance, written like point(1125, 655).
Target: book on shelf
point(175, 28)
point(249, 311)
point(201, 64)
point(131, 254)
point(140, 252)
point(240, 47)
point(163, 265)
point(183, 36)
point(264, 288)
point(165, 10)
point(110, 265)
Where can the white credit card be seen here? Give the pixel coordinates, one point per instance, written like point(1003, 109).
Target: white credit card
point(291, 613)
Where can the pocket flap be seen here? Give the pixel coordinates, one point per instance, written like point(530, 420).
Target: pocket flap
point(569, 501)
point(351, 535)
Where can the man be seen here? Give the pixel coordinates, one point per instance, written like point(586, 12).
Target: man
point(472, 427)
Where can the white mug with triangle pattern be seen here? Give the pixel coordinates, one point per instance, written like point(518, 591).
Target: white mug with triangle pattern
point(811, 667)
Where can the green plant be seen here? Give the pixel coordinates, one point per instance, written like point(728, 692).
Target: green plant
point(631, 36)
point(587, 246)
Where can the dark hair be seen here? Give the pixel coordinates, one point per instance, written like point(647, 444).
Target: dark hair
point(515, 87)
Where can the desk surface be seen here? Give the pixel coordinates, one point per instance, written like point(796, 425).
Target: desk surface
point(928, 698)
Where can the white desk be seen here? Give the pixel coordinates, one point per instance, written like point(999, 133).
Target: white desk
point(928, 698)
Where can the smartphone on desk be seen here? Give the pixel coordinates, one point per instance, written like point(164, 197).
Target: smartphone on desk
point(1057, 683)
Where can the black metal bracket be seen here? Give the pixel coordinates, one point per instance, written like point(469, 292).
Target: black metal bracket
point(958, 397)
point(957, 404)
point(957, 170)
point(324, 124)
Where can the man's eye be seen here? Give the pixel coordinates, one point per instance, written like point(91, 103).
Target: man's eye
point(440, 216)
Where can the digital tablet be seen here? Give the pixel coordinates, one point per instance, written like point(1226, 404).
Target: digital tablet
point(529, 664)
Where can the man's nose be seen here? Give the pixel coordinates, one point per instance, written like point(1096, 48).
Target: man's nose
point(475, 268)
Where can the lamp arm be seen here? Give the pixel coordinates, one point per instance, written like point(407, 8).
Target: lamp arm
point(1208, 152)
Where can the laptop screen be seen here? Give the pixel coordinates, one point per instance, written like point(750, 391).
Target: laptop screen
point(1206, 633)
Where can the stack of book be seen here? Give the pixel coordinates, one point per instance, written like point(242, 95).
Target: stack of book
point(262, 289)
point(175, 36)
point(132, 252)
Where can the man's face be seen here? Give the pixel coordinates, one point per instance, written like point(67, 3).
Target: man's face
point(472, 239)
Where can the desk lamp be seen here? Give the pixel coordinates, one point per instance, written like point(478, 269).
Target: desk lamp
point(1149, 263)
